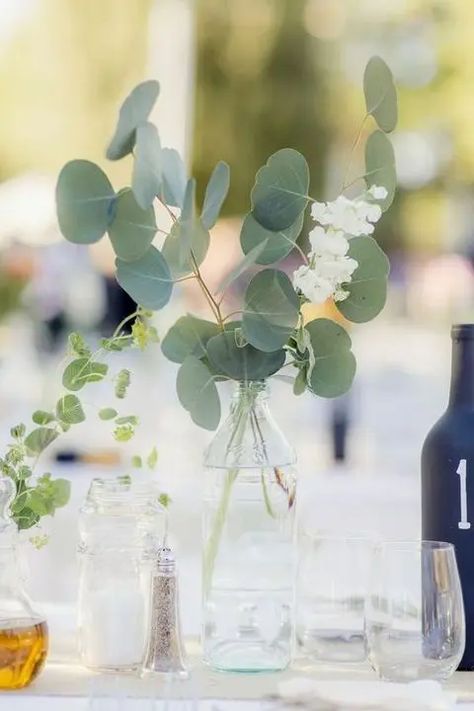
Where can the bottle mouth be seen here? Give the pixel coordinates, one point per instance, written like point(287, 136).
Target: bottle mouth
point(462, 332)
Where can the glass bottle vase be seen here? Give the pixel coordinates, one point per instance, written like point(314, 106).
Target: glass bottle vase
point(23, 632)
point(249, 539)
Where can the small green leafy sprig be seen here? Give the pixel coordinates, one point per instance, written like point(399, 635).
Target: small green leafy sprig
point(39, 496)
point(268, 332)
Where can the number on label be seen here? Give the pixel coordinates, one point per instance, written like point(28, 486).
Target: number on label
point(462, 471)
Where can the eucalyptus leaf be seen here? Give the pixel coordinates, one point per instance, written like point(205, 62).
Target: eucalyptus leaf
point(135, 110)
point(368, 286)
point(147, 280)
point(39, 503)
point(69, 410)
point(41, 417)
point(107, 413)
point(84, 202)
point(61, 489)
point(216, 192)
point(197, 393)
point(81, 371)
point(380, 94)
point(132, 229)
point(152, 458)
point(249, 259)
point(188, 336)
point(127, 420)
point(39, 439)
point(271, 310)
point(277, 244)
point(380, 166)
point(173, 177)
point(146, 180)
point(299, 383)
point(334, 363)
point(187, 221)
point(279, 195)
point(241, 363)
point(180, 263)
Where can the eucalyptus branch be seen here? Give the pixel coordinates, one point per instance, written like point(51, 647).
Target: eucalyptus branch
point(128, 318)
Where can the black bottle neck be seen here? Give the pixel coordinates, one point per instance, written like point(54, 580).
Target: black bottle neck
point(462, 369)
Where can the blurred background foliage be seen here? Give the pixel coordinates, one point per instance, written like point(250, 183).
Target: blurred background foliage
point(269, 73)
point(63, 72)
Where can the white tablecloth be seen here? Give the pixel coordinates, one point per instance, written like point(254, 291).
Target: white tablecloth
point(68, 687)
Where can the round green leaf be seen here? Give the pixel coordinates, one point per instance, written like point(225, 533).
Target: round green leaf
point(216, 192)
point(277, 244)
point(380, 166)
point(279, 195)
point(380, 94)
point(135, 110)
point(241, 363)
point(197, 393)
point(107, 413)
point(40, 417)
point(81, 371)
point(39, 439)
point(61, 491)
point(69, 410)
point(147, 280)
point(368, 286)
point(188, 336)
point(271, 310)
point(146, 180)
point(176, 249)
point(334, 363)
point(173, 178)
point(84, 202)
point(132, 229)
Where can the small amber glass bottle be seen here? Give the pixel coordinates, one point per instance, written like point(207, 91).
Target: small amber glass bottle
point(23, 633)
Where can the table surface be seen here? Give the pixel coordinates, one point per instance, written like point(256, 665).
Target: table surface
point(83, 687)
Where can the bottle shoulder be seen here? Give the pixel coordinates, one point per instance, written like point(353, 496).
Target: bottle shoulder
point(453, 429)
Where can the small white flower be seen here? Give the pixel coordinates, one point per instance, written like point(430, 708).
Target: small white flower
point(336, 269)
point(378, 192)
point(340, 294)
point(333, 242)
point(368, 211)
point(316, 289)
point(318, 211)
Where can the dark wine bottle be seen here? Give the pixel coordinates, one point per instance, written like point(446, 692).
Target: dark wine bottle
point(447, 475)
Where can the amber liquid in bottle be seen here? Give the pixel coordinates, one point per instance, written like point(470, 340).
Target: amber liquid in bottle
point(23, 649)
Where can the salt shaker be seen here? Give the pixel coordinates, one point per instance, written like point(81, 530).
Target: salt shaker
point(165, 651)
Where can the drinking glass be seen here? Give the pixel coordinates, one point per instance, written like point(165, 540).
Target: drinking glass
point(331, 588)
point(414, 613)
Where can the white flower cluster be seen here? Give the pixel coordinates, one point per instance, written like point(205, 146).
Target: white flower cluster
point(328, 266)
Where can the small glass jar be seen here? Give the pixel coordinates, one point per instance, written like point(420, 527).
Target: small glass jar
point(249, 539)
point(23, 632)
point(121, 527)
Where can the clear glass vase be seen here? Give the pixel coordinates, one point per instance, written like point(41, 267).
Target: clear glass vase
point(23, 632)
point(249, 539)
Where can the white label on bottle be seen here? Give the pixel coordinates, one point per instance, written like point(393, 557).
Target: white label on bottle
point(462, 471)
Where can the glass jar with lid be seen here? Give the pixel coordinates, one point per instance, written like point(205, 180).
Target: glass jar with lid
point(121, 526)
point(23, 632)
